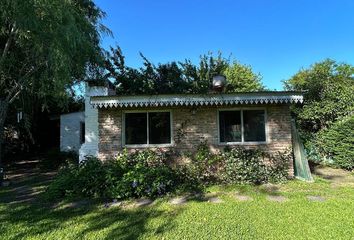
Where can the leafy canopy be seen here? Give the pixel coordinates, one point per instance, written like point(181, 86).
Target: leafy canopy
point(179, 77)
point(329, 88)
point(326, 118)
point(45, 46)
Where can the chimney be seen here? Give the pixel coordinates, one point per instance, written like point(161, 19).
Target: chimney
point(219, 83)
point(90, 146)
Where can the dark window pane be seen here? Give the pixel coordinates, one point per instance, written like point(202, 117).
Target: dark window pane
point(254, 126)
point(135, 128)
point(82, 132)
point(230, 126)
point(159, 127)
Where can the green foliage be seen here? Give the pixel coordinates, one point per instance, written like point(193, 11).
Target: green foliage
point(337, 143)
point(45, 48)
point(147, 173)
point(204, 166)
point(138, 174)
point(63, 184)
point(241, 78)
point(236, 165)
point(329, 100)
point(249, 166)
point(329, 88)
point(181, 77)
point(46, 45)
point(278, 167)
point(244, 166)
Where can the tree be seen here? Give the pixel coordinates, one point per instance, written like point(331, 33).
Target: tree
point(200, 76)
point(326, 117)
point(328, 91)
point(178, 77)
point(45, 47)
point(241, 78)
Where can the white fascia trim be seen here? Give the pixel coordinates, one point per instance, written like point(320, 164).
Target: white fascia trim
point(194, 100)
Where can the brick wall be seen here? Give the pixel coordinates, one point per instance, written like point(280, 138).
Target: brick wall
point(189, 129)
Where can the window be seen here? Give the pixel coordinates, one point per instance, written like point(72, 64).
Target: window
point(146, 128)
point(238, 126)
point(230, 126)
point(254, 126)
point(82, 132)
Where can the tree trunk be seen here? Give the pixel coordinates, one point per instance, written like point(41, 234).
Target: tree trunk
point(3, 113)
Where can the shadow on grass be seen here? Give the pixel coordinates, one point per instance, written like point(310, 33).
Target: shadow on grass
point(39, 219)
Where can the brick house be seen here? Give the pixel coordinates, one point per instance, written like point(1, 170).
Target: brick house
point(182, 122)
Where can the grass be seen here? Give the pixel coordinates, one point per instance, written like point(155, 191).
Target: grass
point(296, 218)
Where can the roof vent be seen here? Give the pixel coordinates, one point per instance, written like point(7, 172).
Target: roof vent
point(219, 82)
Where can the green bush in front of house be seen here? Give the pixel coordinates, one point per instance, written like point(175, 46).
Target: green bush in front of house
point(139, 174)
point(254, 166)
point(148, 173)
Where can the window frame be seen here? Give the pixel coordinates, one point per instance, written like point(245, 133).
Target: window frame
point(147, 145)
point(241, 109)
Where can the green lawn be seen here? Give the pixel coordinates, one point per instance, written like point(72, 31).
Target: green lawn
point(296, 218)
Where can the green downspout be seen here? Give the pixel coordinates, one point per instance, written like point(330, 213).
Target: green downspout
point(301, 164)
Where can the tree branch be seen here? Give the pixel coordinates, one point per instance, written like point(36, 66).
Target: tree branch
point(8, 42)
point(13, 93)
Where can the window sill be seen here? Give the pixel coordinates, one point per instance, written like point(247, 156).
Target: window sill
point(241, 143)
point(149, 145)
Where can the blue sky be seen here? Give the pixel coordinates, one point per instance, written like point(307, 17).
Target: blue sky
point(275, 37)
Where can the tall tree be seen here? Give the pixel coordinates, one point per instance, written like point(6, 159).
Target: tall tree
point(326, 117)
point(328, 88)
point(241, 78)
point(179, 77)
point(45, 46)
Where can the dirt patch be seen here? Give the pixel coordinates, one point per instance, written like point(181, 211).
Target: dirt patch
point(279, 199)
point(179, 200)
point(215, 200)
point(337, 177)
point(316, 198)
point(243, 198)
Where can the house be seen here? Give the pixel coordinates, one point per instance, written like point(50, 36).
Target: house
point(182, 121)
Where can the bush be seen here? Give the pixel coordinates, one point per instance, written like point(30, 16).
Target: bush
point(143, 173)
point(244, 166)
point(249, 166)
point(142, 181)
point(64, 184)
point(147, 173)
point(204, 166)
point(278, 169)
point(336, 143)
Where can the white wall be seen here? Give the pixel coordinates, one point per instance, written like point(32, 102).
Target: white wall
point(70, 131)
point(90, 147)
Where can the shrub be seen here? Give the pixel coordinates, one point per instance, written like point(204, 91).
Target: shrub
point(204, 166)
point(147, 158)
point(63, 185)
point(244, 166)
point(147, 173)
point(337, 143)
point(143, 173)
point(250, 166)
point(278, 167)
point(91, 178)
point(142, 181)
